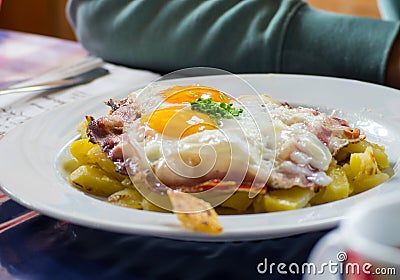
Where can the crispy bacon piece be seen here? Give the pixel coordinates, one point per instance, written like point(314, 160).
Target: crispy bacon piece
point(334, 132)
point(220, 185)
point(107, 131)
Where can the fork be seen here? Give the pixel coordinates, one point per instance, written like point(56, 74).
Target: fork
point(79, 73)
point(73, 80)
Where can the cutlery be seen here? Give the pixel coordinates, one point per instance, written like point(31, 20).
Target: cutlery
point(70, 81)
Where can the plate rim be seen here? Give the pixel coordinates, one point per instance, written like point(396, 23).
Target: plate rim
point(177, 232)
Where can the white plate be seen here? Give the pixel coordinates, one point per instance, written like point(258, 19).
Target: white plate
point(30, 156)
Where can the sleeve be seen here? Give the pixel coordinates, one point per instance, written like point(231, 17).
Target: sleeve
point(267, 36)
point(389, 9)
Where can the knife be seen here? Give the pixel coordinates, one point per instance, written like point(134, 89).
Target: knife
point(70, 81)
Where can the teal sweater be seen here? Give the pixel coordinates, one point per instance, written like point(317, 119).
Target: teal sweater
point(281, 36)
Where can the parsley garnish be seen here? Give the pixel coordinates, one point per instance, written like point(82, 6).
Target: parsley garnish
point(214, 109)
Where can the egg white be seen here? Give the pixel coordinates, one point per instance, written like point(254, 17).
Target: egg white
point(245, 148)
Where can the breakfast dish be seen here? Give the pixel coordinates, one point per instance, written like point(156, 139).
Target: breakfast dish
point(198, 152)
point(39, 149)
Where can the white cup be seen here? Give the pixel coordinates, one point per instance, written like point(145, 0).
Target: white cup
point(366, 245)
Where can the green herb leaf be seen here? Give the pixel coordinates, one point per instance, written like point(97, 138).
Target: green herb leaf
point(216, 110)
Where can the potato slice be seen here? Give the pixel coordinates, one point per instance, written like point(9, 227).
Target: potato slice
point(82, 127)
point(93, 180)
point(338, 189)
point(127, 197)
point(364, 163)
point(150, 206)
point(97, 156)
point(380, 156)
point(79, 149)
point(365, 182)
point(363, 170)
point(281, 200)
point(194, 213)
point(239, 201)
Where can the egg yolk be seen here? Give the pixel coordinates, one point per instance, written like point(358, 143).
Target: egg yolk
point(186, 94)
point(178, 121)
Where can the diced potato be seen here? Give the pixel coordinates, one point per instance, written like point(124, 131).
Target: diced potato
point(127, 197)
point(345, 152)
point(79, 149)
point(97, 156)
point(339, 188)
point(281, 200)
point(366, 182)
point(239, 201)
point(149, 206)
point(70, 164)
point(94, 180)
point(380, 156)
point(364, 163)
point(363, 171)
point(94, 173)
point(82, 128)
point(347, 170)
point(360, 147)
point(350, 177)
point(87, 153)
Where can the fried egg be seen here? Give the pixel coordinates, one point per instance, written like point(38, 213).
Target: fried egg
point(185, 147)
point(268, 144)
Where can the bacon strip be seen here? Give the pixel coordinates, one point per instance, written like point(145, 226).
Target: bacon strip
point(107, 131)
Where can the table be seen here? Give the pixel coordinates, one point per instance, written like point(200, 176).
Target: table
point(44, 248)
point(24, 56)
point(364, 8)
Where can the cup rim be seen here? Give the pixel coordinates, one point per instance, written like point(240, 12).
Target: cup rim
point(370, 248)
